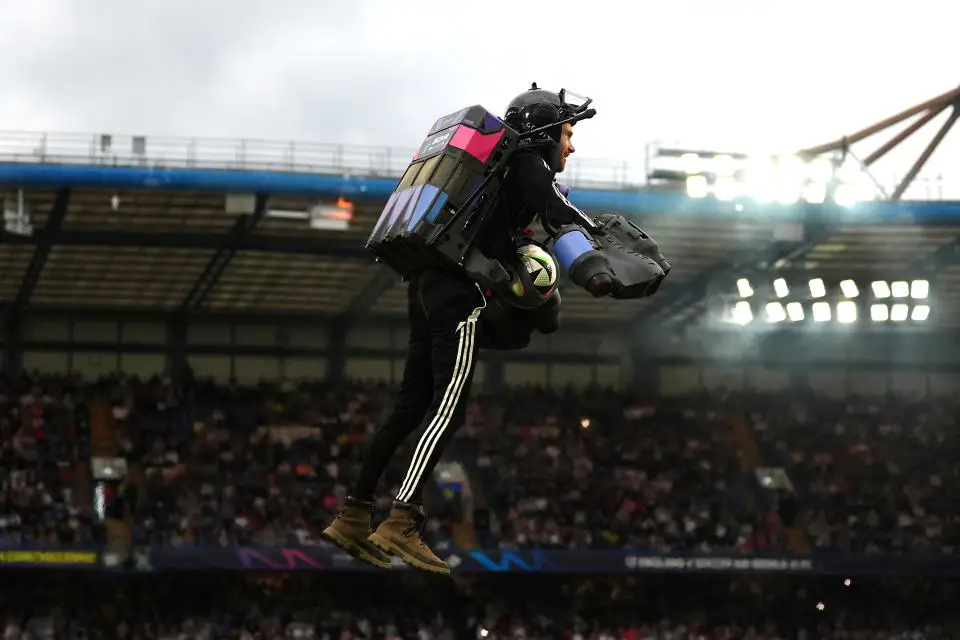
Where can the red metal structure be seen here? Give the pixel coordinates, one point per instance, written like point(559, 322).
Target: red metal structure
point(929, 110)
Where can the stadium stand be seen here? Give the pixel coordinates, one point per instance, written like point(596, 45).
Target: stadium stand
point(297, 606)
point(195, 351)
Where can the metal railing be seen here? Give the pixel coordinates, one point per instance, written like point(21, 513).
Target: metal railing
point(262, 155)
point(316, 158)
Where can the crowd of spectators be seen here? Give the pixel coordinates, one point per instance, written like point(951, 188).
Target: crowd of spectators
point(878, 474)
point(602, 470)
point(348, 607)
point(43, 435)
point(547, 469)
point(225, 465)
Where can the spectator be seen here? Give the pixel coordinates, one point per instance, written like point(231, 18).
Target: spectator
point(39, 452)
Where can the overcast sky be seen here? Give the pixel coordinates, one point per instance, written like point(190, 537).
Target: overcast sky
point(774, 75)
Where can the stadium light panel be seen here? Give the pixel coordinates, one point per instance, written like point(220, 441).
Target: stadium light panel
point(795, 311)
point(817, 289)
point(724, 166)
point(864, 188)
point(761, 180)
point(815, 192)
point(899, 312)
point(780, 288)
point(880, 289)
point(899, 289)
point(791, 176)
point(879, 312)
point(697, 187)
point(849, 289)
point(845, 195)
point(742, 313)
point(791, 169)
point(787, 194)
point(820, 170)
point(919, 289)
point(920, 313)
point(846, 312)
point(821, 312)
point(744, 288)
point(775, 312)
point(726, 189)
point(691, 164)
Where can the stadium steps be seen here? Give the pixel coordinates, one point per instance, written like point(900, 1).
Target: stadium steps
point(463, 452)
point(118, 534)
point(742, 438)
point(103, 432)
point(104, 443)
point(797, 540)
point(464, 535)
point(82, 486)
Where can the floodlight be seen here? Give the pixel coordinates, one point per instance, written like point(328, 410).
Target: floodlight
point(817, 289)
point(780, 288)
point(849, 288)
point(919, 289)
point(697, 187)
point(879, 312)
point(821, 312)
point(742, 313)
point(846, 312)
point(880, 288)
point(775, 312)
point(795, 311)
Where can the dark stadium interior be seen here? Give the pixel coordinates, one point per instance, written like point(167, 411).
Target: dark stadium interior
point(189, 385)
point(153, 253)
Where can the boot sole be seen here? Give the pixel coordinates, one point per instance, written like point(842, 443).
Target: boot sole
point(355, 550)
point(392, 549)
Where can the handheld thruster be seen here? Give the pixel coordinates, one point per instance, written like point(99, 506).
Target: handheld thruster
point(615, 258)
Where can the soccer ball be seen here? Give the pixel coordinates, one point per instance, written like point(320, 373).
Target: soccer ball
point(541, 267)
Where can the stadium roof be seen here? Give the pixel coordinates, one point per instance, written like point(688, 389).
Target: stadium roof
point(127, 237)
point(166, 251)
point(160, 250)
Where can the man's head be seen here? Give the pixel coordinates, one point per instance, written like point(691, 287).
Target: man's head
point(538, 109)
point(566, 145)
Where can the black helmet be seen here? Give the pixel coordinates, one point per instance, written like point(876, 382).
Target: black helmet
point(537, 108)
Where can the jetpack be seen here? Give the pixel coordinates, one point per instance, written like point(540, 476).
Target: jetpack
point(450, 189)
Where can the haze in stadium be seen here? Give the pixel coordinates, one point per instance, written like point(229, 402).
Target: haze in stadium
point(742, 75)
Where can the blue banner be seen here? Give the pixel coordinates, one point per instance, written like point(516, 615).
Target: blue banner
point(326, 558)
point(624, 201)
point(321, 558)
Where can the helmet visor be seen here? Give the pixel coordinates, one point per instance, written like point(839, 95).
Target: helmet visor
point(573, 103)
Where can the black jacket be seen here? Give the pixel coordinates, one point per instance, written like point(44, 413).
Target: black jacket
point(530, 191)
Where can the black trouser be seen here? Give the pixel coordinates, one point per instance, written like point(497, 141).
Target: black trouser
point(444, 310)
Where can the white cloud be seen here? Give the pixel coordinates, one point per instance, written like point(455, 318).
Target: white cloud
point(737, 73)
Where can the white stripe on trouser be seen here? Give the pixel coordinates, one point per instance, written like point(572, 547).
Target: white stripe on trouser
point(448, 405)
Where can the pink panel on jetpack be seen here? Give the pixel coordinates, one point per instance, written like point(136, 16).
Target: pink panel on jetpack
point(478, 145)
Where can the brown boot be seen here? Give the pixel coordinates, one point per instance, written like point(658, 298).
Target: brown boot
point(350, 532)
point(399, 535)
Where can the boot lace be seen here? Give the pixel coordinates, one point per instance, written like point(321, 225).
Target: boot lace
point(417, 522)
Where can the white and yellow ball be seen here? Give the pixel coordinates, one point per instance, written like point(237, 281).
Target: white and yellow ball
point(541, 266)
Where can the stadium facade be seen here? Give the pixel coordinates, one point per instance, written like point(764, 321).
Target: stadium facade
point(245, 259)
